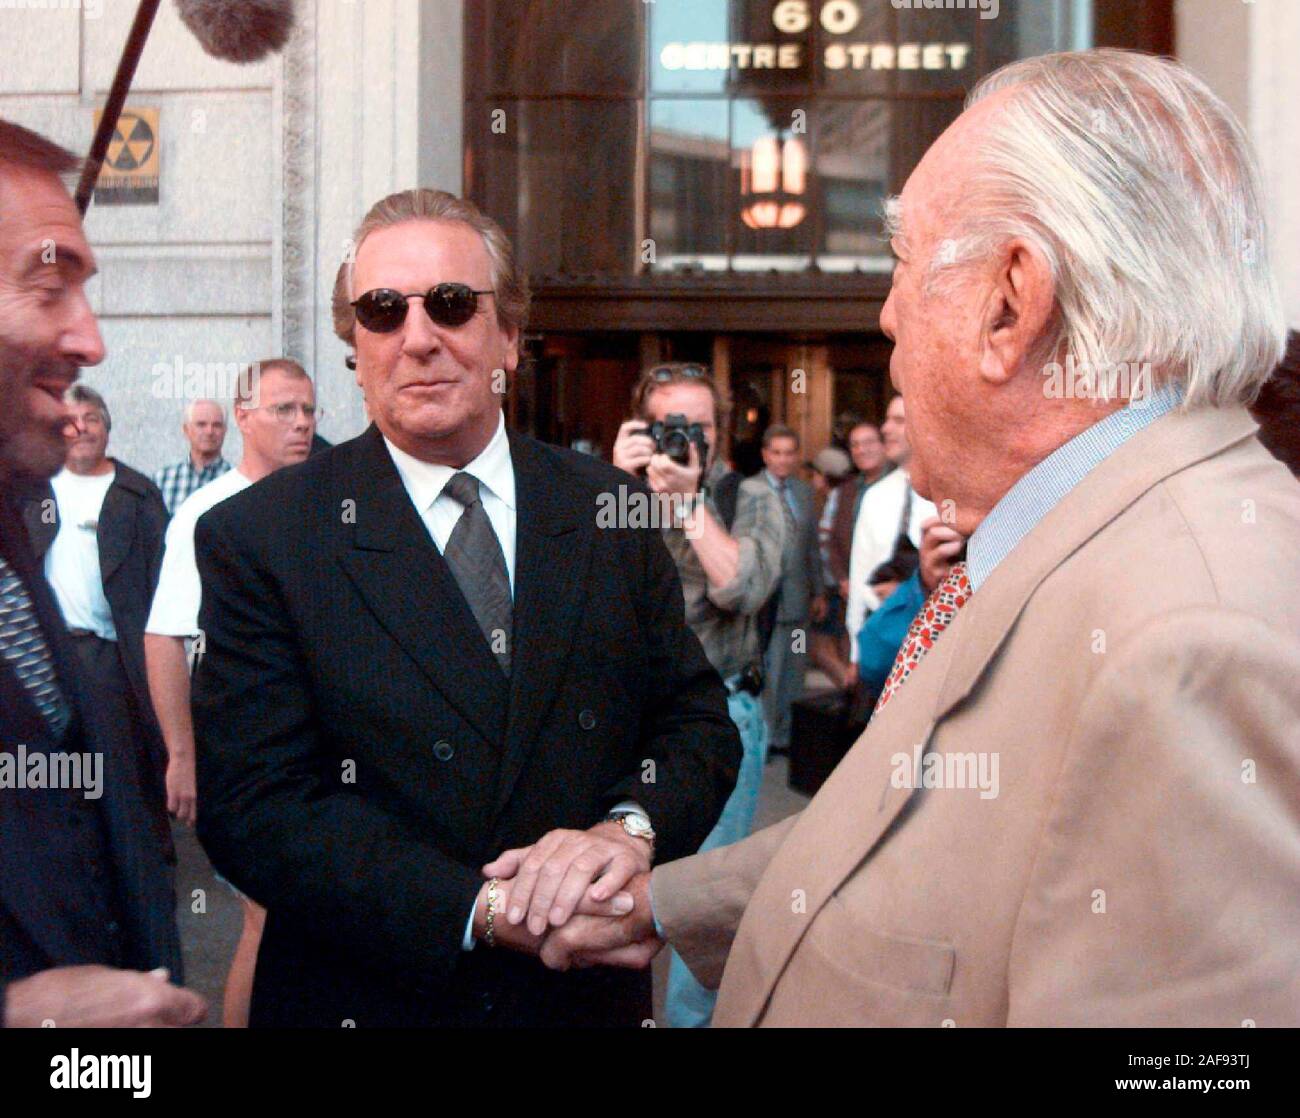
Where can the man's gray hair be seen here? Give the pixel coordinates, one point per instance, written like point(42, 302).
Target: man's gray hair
point(1140, 188)
point(189, 409)
point(84, 394)
point(508, 283)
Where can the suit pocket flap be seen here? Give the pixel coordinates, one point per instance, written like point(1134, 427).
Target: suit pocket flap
point(887, 959)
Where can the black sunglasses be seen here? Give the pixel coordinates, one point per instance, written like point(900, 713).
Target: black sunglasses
point(449, 304)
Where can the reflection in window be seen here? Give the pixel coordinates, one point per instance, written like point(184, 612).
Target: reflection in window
point(688, 183)
point(853, 173)
point(769, 144)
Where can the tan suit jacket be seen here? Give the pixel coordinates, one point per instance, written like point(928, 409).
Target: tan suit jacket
point(1134, 666)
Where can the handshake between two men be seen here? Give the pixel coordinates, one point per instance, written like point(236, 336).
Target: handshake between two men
point(573, 898)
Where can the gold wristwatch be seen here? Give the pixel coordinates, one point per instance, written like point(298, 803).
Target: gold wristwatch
point(635, 823)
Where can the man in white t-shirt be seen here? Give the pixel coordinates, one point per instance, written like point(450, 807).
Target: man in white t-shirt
point(277, 422)
point(98, 531)
point(888, 508)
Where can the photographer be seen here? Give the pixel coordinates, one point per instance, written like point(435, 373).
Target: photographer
point(726, 535)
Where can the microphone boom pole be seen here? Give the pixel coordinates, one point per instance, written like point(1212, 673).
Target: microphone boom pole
point(135, 42)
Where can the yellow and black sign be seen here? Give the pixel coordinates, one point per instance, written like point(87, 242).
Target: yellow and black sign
point(130, 172)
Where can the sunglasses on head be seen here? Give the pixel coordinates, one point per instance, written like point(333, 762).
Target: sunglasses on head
point(662, 374)
point(449, 304)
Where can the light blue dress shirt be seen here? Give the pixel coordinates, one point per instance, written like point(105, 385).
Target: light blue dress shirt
point(1046, 485)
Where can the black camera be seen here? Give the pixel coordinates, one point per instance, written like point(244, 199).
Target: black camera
point(673, 437)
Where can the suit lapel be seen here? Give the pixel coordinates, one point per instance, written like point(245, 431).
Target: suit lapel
point(857, 806)
point(412, 592)
point(551, 558)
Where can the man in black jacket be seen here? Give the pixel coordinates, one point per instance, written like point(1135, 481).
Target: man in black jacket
point(98, 529)
point(87, 923)
point(424, 647)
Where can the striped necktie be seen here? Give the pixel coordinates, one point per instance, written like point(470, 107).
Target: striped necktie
point(22, 644)
point(474, 555)
point(931, 620)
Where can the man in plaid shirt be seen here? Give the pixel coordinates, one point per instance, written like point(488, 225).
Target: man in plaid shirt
point(205, 430)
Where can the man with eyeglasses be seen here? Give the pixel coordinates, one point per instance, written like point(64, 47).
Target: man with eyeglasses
point(276, 415)
point(442, 706)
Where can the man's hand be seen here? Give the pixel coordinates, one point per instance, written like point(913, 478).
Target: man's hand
point(663, 475)
point(940, 545)
point(182, 790)
point(517, 937)
point(95, 997)
point(632, 452)
point(551, 877)
point(817, 608)
point(589, 941)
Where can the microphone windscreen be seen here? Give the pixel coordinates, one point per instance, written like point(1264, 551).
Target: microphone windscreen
point(238, 30)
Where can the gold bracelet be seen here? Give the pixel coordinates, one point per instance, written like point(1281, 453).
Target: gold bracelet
point(489, 932)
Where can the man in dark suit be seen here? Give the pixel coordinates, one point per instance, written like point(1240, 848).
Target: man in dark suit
point(426, 646)
point(87, 924)
point(98, 529)
point(799, 598)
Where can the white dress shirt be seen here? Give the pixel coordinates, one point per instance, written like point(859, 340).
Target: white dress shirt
point(874, 533)
point(176, 601)
point(495, 472)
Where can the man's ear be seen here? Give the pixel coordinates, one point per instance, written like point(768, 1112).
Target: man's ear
point(512, 349)
point(1017, 312)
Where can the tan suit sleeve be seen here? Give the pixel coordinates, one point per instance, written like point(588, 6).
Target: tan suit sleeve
point(1166, 889)
point(699, 901)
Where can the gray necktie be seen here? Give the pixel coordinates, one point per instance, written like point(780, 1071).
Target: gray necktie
point(23, 645)
point(475, 557)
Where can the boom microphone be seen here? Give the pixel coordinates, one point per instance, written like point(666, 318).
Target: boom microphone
point(238, 30)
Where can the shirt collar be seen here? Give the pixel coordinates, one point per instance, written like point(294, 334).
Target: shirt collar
point(1046, 485)
point(493, 469)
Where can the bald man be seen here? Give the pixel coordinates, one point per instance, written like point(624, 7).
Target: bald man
point(204, 428)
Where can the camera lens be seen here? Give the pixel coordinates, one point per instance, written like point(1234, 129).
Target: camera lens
point(677, 446)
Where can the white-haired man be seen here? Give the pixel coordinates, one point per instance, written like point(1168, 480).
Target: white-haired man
point(204, 428)
point(1075, 804)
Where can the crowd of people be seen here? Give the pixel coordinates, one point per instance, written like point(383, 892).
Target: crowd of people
point(472, 756)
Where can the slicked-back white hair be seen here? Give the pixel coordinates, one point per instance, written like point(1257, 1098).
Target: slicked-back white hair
point(1140, 188)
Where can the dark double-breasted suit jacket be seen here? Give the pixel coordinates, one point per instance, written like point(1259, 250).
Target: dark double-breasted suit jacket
point(361, 754)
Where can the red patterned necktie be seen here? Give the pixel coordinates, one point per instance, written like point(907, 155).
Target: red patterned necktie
point(931, 620)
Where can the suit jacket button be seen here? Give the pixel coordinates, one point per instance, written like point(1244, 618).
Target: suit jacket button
point(587, 720)
point(443, 751)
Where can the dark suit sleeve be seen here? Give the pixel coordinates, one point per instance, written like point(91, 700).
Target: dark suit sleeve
point(277, 814)
point(691, 747)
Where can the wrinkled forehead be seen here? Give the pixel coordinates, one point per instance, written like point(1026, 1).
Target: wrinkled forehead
point(39, 225)
point(417, 255)
point(937, 185)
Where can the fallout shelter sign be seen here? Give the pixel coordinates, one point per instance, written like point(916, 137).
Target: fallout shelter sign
point(130, 172)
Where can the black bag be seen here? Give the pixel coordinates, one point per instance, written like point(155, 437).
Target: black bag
point(822, 730)
point(726, 495)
